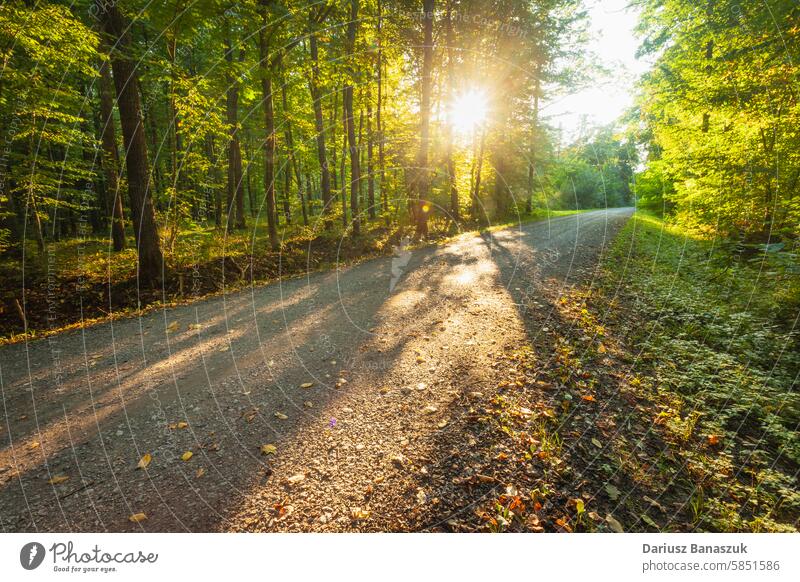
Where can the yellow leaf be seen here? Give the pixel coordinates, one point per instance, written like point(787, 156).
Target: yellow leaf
point(268, 449)
point(182, 424)
point(34, 445)
point(281, 415)
point(187, 455)
point(358, 513)
point(200, 472)
point(137, 517)
point(597, 443)
point(144, 461)
point(58, 479)
point(172, 326)
point(601, 349)
point(307, 385)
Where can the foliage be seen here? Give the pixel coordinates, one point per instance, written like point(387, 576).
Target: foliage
point(721, 111)
point(721, 357)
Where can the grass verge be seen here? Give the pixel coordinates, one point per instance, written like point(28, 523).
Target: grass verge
point(715, 351)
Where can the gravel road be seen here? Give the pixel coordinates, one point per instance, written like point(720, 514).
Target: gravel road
point(359, 378)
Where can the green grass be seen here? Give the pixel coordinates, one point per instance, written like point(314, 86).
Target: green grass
point(720, 358)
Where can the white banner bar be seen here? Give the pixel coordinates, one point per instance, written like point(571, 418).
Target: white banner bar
point(353, 557)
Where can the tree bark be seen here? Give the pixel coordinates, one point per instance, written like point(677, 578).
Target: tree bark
point(110, 158)
point(291, 160)
point(450, 162)
point(235, 182)
point(370, 169)
point(269, 126)
point(319, 127)
point(150, 259)
point(379, 116)
point(420, 204)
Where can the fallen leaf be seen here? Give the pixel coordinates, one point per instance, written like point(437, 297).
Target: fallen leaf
point(307, 385)
point(268, 449)
point(614, 524)
point(173, 326)
point(34, 445)
point(597, 443)
point(422, 497)
point(281, 416)
point(137, 517)
point(612, 491)
point(182, 424)
point(144, 461)
point(58, 479)
point(358, 513)
point(713, 439)
point(588, 398)
point(429, 410)
point(563, 524)
point(294, 479)
point(601, 349)
point(648, 520)
point(200, 472)
point(655, 503)
point(187, 455)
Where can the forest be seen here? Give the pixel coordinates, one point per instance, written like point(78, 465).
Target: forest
point(373, 277)
point(147, 142)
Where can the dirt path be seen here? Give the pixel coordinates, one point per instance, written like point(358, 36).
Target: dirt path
point(400, 353)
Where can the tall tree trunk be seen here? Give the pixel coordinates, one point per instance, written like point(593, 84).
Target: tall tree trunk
point(127, 85)
point(533, 150)
point(209, 146)
point(370, 169)
point(355, 167)
point(343, 192)
point(269, 127)
point(334, 121)
point(235, 185)
point(450, 162)
point(379, 116)
point(420, 205)
point(291, 160)
point(319, 127)
point(111, 156)
point(476, 190)
point(287, 186)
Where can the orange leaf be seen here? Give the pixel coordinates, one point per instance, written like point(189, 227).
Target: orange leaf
point(588, 397)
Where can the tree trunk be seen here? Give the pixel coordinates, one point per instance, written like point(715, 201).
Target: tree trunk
point(291, 160)
point(379, 117)
point(534, 137)
point(450, 162)
point(370, 169)
point(355, 167)
point(343, 192)
point(478, 168)
point(111, 156)
point(126, 81)
point(319, 126)
point(235, 182)
point(420, 205)
point(269, 126)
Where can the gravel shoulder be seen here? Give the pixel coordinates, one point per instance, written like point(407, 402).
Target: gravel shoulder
point(363, 380)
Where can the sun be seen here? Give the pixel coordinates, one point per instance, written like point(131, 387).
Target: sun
point(468, 110)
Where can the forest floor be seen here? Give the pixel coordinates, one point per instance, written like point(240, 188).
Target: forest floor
point(499, 382)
